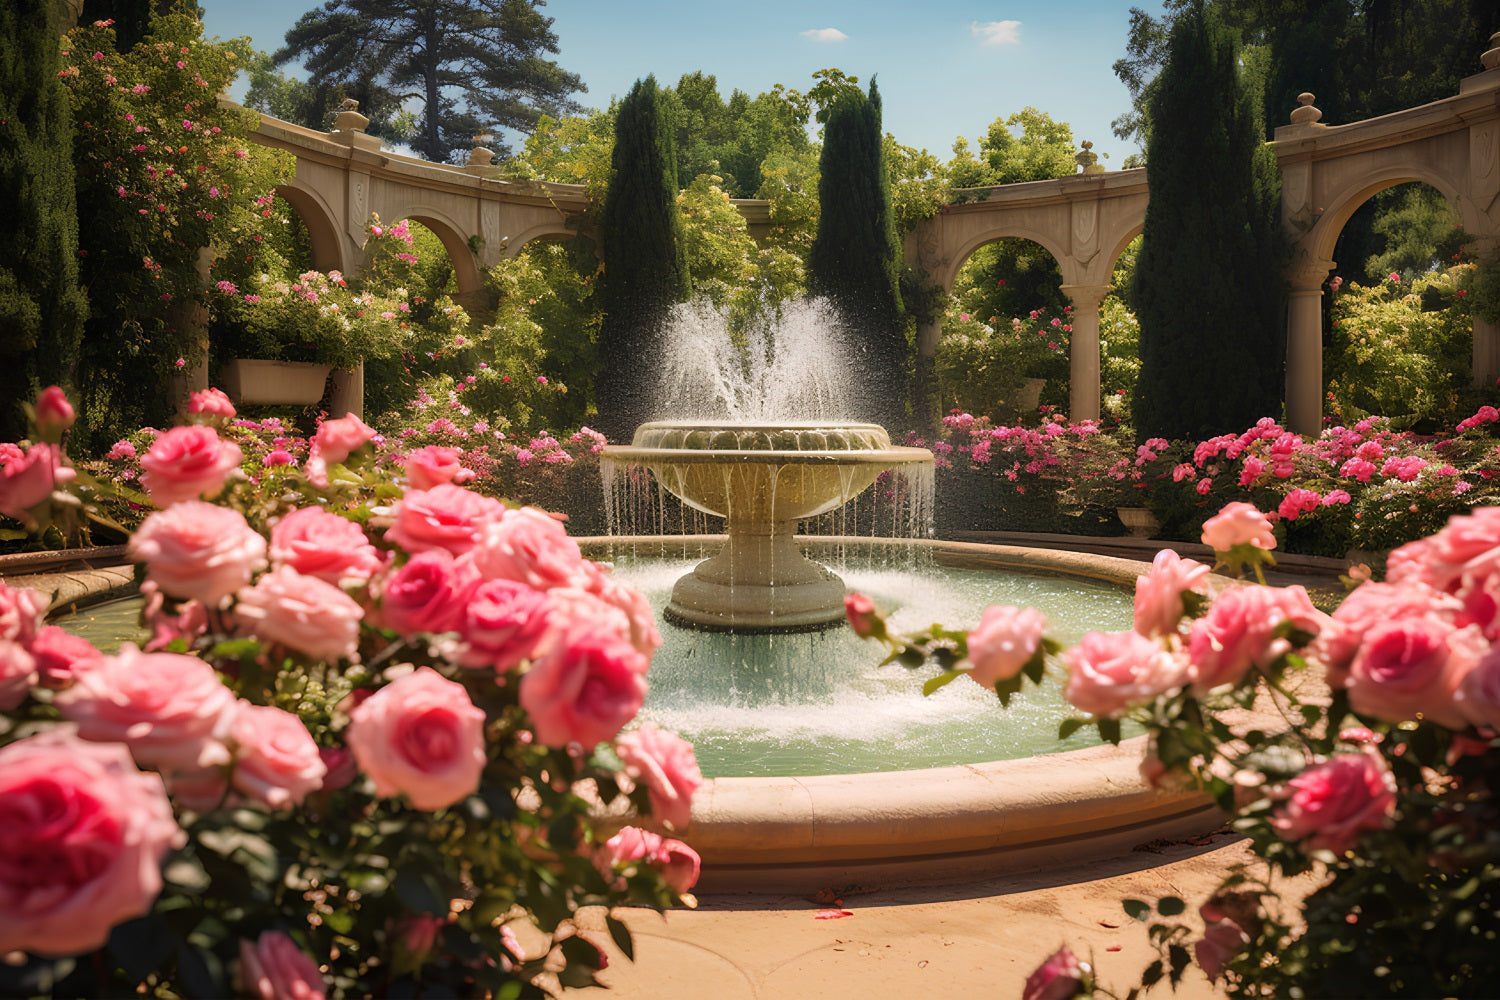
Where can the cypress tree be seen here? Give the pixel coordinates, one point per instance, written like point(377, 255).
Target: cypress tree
point(645, 266)
point(855, 259)
point(42, 306)
point(1208, 287)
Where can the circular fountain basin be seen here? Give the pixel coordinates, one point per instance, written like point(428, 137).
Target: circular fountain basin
point(762, 479)
point(808, 833)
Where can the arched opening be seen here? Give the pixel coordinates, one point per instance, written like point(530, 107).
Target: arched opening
point(1398, 327)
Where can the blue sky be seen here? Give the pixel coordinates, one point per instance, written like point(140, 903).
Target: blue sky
point(945, 67)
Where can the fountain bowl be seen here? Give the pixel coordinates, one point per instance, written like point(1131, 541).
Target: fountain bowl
point(762, 478)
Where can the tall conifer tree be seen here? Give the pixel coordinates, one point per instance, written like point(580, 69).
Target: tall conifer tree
point(855, 259)
point(645, 265)
point(42, 306)
point(1208, 287)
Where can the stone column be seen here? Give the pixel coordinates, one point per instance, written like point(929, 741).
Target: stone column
point(1083, 352)
point(192, 319)
point(348, 392)
point(1304, 346)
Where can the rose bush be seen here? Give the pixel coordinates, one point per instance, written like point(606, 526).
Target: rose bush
point(369, 726)
point(1358, 753)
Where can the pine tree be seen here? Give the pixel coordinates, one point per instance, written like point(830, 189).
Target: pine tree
point(1208, 289)
point(42, 306)
point(471, 66)
point(855, 259)
point(645, 267)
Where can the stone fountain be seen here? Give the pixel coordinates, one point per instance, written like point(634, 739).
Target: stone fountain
point(762, 478)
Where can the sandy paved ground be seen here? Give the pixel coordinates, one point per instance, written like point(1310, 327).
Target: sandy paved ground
point(979, 940)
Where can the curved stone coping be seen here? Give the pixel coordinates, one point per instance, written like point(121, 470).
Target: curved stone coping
point(936, 825)
point(73, 578)
point(896, 455)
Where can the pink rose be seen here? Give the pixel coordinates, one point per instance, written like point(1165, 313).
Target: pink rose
point(677, 863)
point(531, 546)
point(274, 968)
point(23, 612)
point(171, 710)
point(61, 656)
point(434, 465)
point(198, 550)
point(640, 618)
point(1413, 665)
point(320, 543)
point(187, 620)
point(82, 838)
point(1239, 523)
point(1223, 938)
point(1371, 604)
point(1467, 546)
point(17, 674)
point(1478, 696)
point(664, 763)
point(1004, 641)
point(1331, 803)
point(339, 767)
point(1158, 593)
point(54, 414)
point(445, 517)
point(1239, 632)
point(860, 611)
point(28, 481)
point(503, 623)
point(186, 463)
point(1060, 977)
point(420, 735)
point(427, 594)
point(337, 439)
point(276, 760)
point(302, 613)
point(1109, 671)
point(585, 686)
point(211, 402)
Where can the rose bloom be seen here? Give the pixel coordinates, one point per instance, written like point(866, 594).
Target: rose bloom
point(276, 760)
point(1331, 803)
point(1003, 642)
point(1478, 696)
point(664, 763)
point(198, 550)
point(531, 546)
point(23, 613)
point(1369, 605)
point(171, 710)
point(211, 402)
point(82, 836)
point(27, 481)
point(1238, 632)
point(640, 619)
point(677, 863)
point(1060, 977)
point(186, 463)
point(302, 613)
point(1109, 671)
point(54, 414)
point(420, 735)
point(503, 624)
point(445, 517)
point(585, 686)
point(17, 674)
point(1158, 593)
point(320, 543)
point(61, 656)
point(274, 968)
point(860, 611)
point(1411, 666)
point(428, 594)
point(1238, 523)
point(1468, 545)
point(337, 439)
point(187, 621)
point(434, 465)
point(1223, 938)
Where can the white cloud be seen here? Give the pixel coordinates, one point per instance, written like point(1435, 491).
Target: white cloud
point(824, 34)
point(997, 32)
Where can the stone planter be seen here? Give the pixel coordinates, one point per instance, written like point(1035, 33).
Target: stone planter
point(258, 382)
point(1139, 521)
point(1029, 396)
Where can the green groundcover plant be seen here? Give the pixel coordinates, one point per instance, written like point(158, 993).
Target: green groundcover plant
point(1358, 753)
point(375, 739)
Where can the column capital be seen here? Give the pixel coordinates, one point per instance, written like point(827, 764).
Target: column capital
point(1307, 273)
point(1085, 296)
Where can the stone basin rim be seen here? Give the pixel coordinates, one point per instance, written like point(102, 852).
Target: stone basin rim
point(896, 455)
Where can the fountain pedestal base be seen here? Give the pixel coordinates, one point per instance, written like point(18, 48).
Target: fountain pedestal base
point(759, 582)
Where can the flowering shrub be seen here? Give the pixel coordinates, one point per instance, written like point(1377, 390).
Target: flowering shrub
point(372, 741)
point(1356, 752)
point(979, 365)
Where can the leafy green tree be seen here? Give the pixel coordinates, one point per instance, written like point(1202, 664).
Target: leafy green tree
point(471, 66)
point(855, 260)
point(42, 306)
point(1042, 149)
point(1420, 231)
point(645, 266)
point(731, 138)
point(1208, 292)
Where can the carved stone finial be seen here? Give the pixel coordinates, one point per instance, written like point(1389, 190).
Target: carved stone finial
point(1088, 160)
point(349, 104)
point(349, 119)
point(1491, 58)
point(1306, 114)
point(480, 157)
